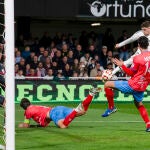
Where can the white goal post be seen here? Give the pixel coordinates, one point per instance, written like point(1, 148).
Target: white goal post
point(9, 78)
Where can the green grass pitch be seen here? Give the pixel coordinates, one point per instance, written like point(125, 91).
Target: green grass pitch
point(123, 130)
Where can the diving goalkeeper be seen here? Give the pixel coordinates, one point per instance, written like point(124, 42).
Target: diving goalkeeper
point(62, 116)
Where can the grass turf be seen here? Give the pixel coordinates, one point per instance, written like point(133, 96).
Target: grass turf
point(123, 130)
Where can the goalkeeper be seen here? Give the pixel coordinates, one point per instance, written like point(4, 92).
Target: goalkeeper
point(145, 31)
point(62, 116)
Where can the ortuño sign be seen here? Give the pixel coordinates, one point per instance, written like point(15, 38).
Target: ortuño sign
point(117, 9)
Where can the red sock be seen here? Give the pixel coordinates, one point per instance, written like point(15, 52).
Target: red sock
point(87, 102)
point(110, 97)
point(143, 113)
point(69, 118)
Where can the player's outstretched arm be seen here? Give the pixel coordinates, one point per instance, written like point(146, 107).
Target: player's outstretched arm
point(133, 38)
point(127, 62)
point(25, 124)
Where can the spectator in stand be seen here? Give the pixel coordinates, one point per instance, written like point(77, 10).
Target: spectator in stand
point(75, 66)
point(70, 41)
point(82, 69)
point(35, 46)
point(83, 40)
point(70, 57)
point(52, 45)
point(64, 49)
point(64, 62)
point(32, 73)
point(49, 74)
point(27, 70)
point(124, 50)
point(22, 65)
point(43, 57)
point(110, 66)
point(78, 52)
point(20, 75)
point(53, 53)
point(92, 37)
point(57, 58)
point(17, 57)
point(94, 71)
point(20, 41)
point(47, 64)
point(75, 74)
point(67, 72)
point(109, 39)
point(40, 70)
point(57, 38)
point(45, 40)
point(54, 68)
point(92, 50)
point(86, 59)
point(26, 53)
point(35, 62)
point(97, 58)
point(103, 57)
point(59, 75)
point(41, 51)
point(91, 66)
point(99, 73)
point(109, 57)
point(30, 59)
point(16, 69)
point(63, 39)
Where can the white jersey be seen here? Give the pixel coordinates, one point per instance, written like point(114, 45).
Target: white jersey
point(133, 38)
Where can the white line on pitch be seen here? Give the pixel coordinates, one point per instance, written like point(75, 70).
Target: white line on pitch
point(104, 121)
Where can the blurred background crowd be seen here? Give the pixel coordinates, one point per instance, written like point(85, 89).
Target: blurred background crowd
point(67, 56)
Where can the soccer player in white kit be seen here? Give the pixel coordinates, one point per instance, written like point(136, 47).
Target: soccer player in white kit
point(145, 31)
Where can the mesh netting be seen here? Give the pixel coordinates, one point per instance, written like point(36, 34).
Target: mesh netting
point(2, 42)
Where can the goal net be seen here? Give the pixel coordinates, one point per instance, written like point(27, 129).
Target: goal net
point(2, 39)
point(7, 119)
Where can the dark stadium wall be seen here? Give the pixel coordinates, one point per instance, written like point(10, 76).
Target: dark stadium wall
point(73, 16)
point(76, 28)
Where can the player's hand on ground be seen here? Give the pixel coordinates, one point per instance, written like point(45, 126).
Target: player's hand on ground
point(23, 125)
point(117, 62)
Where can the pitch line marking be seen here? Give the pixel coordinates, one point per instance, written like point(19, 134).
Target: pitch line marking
point(127, 121)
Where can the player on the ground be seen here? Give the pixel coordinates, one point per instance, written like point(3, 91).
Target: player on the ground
point(140, 78)
point(62, 116)
point(145, 31)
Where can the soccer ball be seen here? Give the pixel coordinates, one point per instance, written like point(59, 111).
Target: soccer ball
point(107, 75)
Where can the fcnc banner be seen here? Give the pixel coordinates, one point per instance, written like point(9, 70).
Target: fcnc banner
point(65, 91)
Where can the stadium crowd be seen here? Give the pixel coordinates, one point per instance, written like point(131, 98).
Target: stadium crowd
point(67, 56)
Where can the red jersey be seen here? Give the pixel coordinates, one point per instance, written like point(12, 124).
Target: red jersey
point(38, 114)
point(139, 71)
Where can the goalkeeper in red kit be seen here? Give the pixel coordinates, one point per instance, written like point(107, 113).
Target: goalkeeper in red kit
point(140, 78)
point(62, 116)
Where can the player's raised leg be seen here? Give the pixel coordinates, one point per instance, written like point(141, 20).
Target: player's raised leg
point(79, 110)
